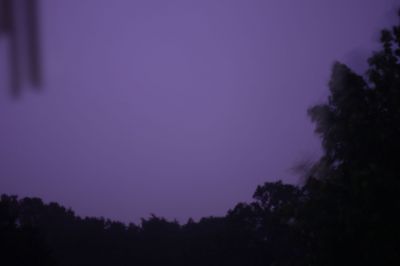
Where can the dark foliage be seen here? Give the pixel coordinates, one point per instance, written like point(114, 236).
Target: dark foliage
point(48, 234)
point(346, 213)
point(351, 214)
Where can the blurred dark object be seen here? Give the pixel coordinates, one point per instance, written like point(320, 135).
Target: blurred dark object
point(19, 25)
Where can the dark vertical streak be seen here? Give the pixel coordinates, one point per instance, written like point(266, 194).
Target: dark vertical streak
point(34, 67)
point(3, 27)
point(4, 17)
point(14, 58)
point(19, 23)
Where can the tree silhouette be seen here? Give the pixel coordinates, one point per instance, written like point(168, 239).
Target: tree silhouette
point(352, 206)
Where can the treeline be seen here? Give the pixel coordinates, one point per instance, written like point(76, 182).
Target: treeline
point(34, 233)
point(346, 212)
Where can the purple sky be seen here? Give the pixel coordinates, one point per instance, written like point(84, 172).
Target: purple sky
point(178, 108)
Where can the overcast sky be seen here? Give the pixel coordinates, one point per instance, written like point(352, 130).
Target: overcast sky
point(178, 108)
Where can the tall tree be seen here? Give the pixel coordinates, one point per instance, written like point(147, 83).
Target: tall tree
point(352, 206)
